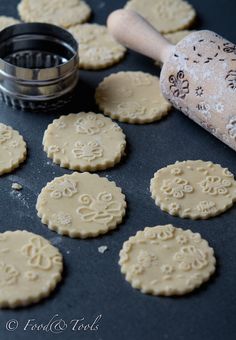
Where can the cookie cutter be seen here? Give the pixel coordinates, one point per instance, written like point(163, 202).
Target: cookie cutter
point(38, 66)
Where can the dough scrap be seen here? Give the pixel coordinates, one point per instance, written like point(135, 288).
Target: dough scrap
point(12, 149)
point(7, 21)
point(97, 48)
point(30, 268)
point(194, 189)
point(63, 13)
point(166, 16)
point(81, 205)
point(84, 141)
point(132, 97)
point(164, 260)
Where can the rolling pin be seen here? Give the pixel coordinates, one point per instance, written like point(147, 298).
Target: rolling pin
point(198, 76)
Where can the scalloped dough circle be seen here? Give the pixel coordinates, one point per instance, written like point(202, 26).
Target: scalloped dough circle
point(132, 97)
point(166, 16)
point(64, 13)
point(30, 268)
point(194, 189)
point(7, 21)
point(84, 141)
point(81, 205)
point(97, 48)
point(12, 149)
point(164, 260)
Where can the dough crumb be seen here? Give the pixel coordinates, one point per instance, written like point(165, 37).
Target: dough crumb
point(16, 186)
point(102, 249)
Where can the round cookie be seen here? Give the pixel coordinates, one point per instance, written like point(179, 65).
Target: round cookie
point(84, 141)
point(7, 21)
point(165, 260)
point(30, 268)
point(166, 16)
point(194, 189)
point(12, 149)
point(63, 13)
point(97, 48)
point(132, 97)
point(81, 205)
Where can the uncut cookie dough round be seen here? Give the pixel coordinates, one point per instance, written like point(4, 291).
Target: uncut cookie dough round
point(12, 149)
point(165, 260)
point(97, 48)
point(81, 205)
point(132, 97)
point(30, 268)
point(63, 13)
point(84, 141)
point(166, 16)
point(7, 21)
point(194, 189)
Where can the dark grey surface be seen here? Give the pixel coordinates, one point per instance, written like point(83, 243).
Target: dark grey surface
point(92, 282)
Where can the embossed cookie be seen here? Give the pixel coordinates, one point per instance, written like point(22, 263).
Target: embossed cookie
point(12, 149)
point(7, 21)
point(84, 141)
point(81, 205)
point(165, 260)
point(194, 189)
point(166, 16)
point(132, 97)
point(63, 13)
point(97, 48)
point(30, 268)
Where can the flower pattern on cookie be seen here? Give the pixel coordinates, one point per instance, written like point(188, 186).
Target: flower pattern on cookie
point(64, 187)
point(174, 208)
point(90, 124)
point(206, 207)
point(8, 274)
point(88, 152)
point(189, 257)
point(5, 133)
point(165, 233)
point(176, 187)
point(144, 260)
point(231, 128)
point(38, 253)
point(31, 276)
point(214, 185)
point(101, 209)
point(54, 148)
point(179, 85)
point(62, 219)
point(131, 109)
point(176, 171)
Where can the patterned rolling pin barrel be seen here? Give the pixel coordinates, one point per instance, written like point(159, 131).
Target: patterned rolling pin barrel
point(198, 75)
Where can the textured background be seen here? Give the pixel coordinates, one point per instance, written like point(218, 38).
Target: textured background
point(92, 282)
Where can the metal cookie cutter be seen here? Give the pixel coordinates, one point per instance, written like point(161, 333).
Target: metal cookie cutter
point(38, 66)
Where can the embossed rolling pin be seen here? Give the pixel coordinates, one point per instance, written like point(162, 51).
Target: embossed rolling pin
point(198, 75)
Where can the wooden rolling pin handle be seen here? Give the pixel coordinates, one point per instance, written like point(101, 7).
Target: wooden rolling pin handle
point(133, 31)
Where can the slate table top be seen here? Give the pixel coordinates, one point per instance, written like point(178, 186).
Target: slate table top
point(93, 284)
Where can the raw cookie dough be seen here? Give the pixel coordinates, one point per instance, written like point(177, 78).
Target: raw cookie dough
point(7, 21)
point(63, 13)
point(12, 149)
point(174, 38)
point(97, 48)
point(30, 268)
point(84, 141)
point(165, 260)
point(81, 205)
point(194, 189)
point(166, 16)
point(132, 97)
